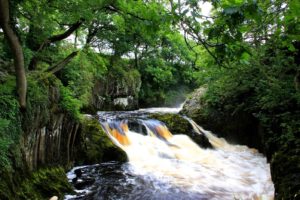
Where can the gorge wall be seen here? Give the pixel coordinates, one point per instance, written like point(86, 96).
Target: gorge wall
point(48, 138)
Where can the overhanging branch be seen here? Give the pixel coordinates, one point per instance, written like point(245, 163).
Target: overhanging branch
point(58, 66)
point(61, 36)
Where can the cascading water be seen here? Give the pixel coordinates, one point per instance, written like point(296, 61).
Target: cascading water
point(166, 166)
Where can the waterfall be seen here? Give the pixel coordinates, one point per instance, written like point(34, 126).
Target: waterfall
point(174, 161)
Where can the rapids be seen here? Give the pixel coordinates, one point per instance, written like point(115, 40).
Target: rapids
point(174, 167)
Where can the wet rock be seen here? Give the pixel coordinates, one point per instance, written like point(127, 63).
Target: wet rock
point(83, 183)
point(177, 124)
point(237, 128)
point(78, 173)
point(95, 146)
point(193, 105)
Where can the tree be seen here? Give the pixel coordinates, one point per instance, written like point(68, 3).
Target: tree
point(16, 49)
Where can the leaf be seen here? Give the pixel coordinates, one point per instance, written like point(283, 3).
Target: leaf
point(245, 57)
point(291, 48)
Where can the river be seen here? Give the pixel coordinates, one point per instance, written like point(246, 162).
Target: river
point(166, 166)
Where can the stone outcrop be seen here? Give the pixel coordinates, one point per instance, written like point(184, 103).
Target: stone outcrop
point(237, 128)
point(49, 134)
point(118, 91)
point(53, 143)
point(243, 128)
point(94, 145)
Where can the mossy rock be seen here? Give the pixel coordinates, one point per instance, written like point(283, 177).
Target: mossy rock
point(96, 145)
point(45, 183)
point(237, 128)
point(179, 125)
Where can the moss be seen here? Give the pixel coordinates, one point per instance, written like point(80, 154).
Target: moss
point(178, 125)
point(96, 146)
point(69, 103)
point(38, 102)
point(44, 184)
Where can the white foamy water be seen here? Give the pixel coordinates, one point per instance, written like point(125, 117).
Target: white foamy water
point(226, 172)
point(220, 174)
point(162, 109)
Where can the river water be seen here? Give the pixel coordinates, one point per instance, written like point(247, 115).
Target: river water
point(166, 166)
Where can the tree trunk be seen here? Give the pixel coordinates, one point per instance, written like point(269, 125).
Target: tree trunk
point(17, 51)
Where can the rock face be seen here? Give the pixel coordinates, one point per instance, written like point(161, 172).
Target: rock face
point(94, 145)
point(193, 104)
point(118, 91)
point(240, 128)
point(49, 135)
point(50, 141)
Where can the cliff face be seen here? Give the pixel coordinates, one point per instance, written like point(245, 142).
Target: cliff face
point(239, 128)
point(45, 140)
point(118, 90)
point(49, 133)
point(52, 144)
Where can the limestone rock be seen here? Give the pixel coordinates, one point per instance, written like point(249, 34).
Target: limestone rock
point(194, 103)
point(238, 128)
point(54, 198)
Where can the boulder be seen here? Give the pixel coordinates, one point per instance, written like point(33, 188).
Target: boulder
point(192, 106)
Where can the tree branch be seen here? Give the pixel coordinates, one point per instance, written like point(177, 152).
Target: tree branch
point(54, 38)
point(58, 66)
point(61, 36)
point(202, 42)
point(115, 9)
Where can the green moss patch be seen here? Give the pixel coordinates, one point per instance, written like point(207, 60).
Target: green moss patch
point(45, 183)
point(96, 147)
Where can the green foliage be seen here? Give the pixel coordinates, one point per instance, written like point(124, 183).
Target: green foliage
point(38, 102)
point(168, 71)
point(44, 183)
point(69, 103)
point(81, 74)
point(263, 87)
point(246, 52)
point(10, 125)
point(4, 143)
